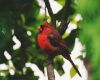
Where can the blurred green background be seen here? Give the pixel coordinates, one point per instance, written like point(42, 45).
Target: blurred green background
point(20, 17)
point(90, 35)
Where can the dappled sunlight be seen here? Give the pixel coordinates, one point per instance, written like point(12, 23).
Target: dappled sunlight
point(17, 43)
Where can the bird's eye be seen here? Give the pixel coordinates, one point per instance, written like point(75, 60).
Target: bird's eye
point(42, 27)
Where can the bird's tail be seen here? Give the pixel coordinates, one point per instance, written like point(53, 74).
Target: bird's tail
point(67, 56)
point(75, 67)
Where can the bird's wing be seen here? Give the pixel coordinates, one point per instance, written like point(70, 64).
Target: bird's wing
point(53, 40)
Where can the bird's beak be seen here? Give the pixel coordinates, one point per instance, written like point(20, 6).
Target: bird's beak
point(39, 29)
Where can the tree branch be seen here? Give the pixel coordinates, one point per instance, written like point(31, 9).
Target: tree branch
point(63, 15)
point(48, 7)
point(53, 20)
point(50, 71)
point(65, 11)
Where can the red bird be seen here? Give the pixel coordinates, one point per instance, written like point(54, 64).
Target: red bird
point(51, 43)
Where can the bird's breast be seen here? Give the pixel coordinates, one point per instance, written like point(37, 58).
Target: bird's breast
point(45, 45)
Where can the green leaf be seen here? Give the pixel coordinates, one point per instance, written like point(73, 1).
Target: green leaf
point(73, 72)
point(62, 2)
point(7, 23)
point(58, 62)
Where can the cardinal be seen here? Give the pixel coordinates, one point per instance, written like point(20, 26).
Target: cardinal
point(52, 44)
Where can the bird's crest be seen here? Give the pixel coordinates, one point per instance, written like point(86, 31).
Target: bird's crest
point(45, 24)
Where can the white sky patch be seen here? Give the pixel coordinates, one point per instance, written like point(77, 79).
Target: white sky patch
point(8, 67)
point(77, 51)
point(36, 70)
point(11, 71)
point(17, 43)
point(29, 33)
point(71, 26)
point(10, 63)
point(7, 55)
point(11, 68)
point(58, 23)
point(57, 76)
point(78, 18)
point(12, 31)
point(54, 5)
point(3, 67)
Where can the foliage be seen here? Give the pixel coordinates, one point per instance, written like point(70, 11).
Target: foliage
point(72, 72)
point(24, 15)
point(19, 15)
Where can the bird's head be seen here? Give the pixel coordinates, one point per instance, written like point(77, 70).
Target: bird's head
point(43, 26)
